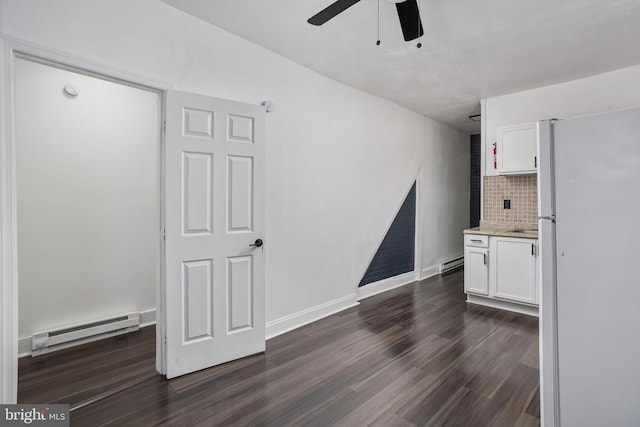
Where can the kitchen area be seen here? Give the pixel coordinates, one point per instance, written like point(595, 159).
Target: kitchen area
point(558, 238)
point(501, 254)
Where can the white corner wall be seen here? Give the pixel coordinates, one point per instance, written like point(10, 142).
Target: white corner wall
point(88, 210)
point(609, 91)
point(445, 195)
point(339, 161)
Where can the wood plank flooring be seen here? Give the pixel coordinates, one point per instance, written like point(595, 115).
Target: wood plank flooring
point(84, 373)
point(415, 356)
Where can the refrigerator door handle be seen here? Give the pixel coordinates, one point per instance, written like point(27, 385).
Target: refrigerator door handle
point(545, 166)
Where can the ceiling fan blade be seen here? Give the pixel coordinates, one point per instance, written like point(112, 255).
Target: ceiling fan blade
point(410, 22)
point(331, 11)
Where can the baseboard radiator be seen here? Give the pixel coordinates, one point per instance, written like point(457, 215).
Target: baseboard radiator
point(450, 264)
point(57, 339)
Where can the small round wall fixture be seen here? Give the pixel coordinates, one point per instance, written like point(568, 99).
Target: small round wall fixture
point(268, 105)
point(71, 89)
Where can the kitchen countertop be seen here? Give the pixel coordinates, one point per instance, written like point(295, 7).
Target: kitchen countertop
point(504, 230)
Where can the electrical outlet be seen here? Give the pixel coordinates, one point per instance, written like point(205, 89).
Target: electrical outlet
point(507, 204)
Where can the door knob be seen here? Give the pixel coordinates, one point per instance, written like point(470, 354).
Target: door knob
point(257, 243)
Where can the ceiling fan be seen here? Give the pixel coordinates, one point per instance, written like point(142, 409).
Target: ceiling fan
point(408, 12)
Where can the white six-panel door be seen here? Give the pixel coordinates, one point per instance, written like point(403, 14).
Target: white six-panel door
point(214, 211)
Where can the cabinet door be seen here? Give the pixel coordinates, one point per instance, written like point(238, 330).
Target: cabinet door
point(476, 270)
point(517, 148)
point(514, 268)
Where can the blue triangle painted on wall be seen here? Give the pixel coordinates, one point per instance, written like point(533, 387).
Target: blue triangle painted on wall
point(396, 254)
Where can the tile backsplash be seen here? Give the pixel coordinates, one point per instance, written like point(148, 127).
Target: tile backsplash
point(521, 190)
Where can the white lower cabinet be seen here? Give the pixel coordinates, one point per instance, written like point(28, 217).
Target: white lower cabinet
point(476, 270)
point(514, 269)
point(503, 273)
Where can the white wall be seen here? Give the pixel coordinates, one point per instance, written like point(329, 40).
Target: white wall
point(445, 199)
point(87, 198)
point(602, 92)
point(339, 161)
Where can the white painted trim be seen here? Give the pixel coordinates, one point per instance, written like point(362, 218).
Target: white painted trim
point(384, 285)
point(24, 346)
point(417, 263)
point(67, 60)
point(429, 271)
point(503, 305)
point(8, 230)
point(161, 309)
point(147, 318)
point(9, 48)
point(310, 315)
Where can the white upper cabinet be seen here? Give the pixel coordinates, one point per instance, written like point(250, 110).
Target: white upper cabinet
point(517, 148)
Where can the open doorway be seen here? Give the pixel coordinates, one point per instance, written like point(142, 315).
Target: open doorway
point(88, 203)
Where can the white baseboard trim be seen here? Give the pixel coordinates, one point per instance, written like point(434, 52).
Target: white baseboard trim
point(385, 285)
point(503, 305)
point(24, 346)
point(430, 271)
point(310, 315)
point(147, 318)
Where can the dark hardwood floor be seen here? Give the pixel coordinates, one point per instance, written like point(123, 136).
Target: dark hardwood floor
point(415, 356)
point(82, 374)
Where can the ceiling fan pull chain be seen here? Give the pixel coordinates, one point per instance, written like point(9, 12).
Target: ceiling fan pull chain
point(419, 37)
point(378, 41)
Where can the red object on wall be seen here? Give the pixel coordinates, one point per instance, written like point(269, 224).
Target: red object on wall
point(495, 155)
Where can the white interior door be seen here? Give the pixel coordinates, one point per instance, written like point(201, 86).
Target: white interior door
point(214, 204)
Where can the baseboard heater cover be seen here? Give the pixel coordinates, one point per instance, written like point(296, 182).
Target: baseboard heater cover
point(451, 264)
point(58, 339)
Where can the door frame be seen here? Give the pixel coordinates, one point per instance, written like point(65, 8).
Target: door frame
point(11, 48)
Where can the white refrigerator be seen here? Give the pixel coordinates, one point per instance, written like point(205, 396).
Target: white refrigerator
point(589, 231)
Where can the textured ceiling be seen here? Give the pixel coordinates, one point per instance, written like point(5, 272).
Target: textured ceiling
point(471, 49)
